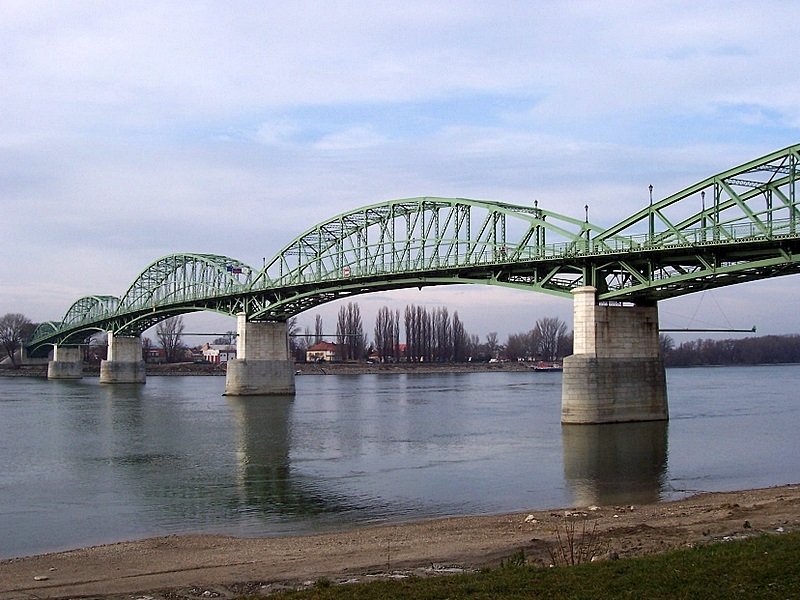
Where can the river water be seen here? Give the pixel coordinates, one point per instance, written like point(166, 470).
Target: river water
point(83, 463)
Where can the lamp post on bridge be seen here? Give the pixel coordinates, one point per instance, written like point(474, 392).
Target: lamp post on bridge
point(651, 218)
point(588, 238)
point(703, 215)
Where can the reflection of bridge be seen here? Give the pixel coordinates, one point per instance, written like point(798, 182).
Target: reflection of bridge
point(740, 225)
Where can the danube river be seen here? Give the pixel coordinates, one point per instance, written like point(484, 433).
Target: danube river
point(84, 464)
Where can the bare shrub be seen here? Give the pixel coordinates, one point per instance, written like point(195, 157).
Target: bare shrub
point(576, 542)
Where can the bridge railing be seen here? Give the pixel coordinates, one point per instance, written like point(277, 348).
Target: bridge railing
point(708, 234)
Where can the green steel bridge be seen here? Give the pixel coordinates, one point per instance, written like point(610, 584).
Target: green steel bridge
point(739, 225)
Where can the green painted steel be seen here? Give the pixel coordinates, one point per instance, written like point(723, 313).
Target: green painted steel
point(739, 225)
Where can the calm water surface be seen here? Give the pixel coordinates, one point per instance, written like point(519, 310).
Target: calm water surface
point(82, 463)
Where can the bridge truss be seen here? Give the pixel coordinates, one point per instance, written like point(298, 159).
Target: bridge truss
point(739, 225)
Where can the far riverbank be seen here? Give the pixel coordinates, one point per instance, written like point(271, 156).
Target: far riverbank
point(300, 368)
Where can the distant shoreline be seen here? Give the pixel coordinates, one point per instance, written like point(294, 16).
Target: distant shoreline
point(195, 369)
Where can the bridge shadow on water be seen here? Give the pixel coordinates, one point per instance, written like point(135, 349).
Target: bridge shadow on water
point(620, 463)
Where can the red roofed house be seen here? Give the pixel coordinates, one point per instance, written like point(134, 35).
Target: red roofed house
point(321, 352)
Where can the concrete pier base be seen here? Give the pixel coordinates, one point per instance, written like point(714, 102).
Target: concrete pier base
point(124, 363)
point(67, 363)
point(262, 366)
point(259, 378)
point(616, 373)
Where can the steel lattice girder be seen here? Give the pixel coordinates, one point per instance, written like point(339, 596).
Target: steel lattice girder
point(88, 310)
point(422, 234)
point(739, 225)
point(182, 278)
point(758, 196)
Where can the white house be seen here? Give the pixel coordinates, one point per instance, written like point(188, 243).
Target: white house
point(218, 353)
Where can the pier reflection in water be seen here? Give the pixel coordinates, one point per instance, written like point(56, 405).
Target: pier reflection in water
point(621, 463)
point(265, 480)
point(262, 450)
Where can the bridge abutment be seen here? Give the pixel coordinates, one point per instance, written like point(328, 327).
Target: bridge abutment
point(615, 373)
point(262, 366)
point(67, 363)
point(124, 363)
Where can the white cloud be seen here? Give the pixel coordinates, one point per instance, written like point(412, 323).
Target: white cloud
point(350, 139)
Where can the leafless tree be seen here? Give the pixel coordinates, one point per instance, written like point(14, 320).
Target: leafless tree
point(301, 344)
point(517, 346)
point(147, 344)
point(97, 347)
point(565, 344)
point(419, 330)
point(441, 335)
point(665, 344)
point(350, 332)
point(387, 334)
point(318, 332)
point(412, 334)
point(169, 334)
point(292, 327)
point(460, 340)
point(549, 331)
point(492, 346)
point(15, 329)
point(226, 339)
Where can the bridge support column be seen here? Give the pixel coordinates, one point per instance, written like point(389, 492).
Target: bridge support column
point(124, 363)
point(67, 363)
point(262, 365)
point(615, 373)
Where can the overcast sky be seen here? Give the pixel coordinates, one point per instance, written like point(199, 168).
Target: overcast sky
point(131, 130)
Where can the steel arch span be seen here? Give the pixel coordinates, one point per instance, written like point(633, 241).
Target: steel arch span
point(738, 225)
point(416, 242)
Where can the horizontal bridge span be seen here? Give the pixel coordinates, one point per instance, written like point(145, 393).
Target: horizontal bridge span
point(738, 225)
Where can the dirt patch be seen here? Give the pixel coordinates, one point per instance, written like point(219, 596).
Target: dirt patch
point(201, 566)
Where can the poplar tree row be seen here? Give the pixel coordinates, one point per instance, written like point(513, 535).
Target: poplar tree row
point(430, 335)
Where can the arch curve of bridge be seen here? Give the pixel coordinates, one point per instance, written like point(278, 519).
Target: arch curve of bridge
point(178, 284)
point(411, 242)
point(423, 232)
point(184, 278)
point(89, 308)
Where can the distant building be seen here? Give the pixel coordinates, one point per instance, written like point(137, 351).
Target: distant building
point(321, 351)
point(155, 356)
point(218, 353)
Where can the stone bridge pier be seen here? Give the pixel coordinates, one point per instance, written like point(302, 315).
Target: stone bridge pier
point(67, 363)
point(616, 373)
point(124, 363)
point(262, 365)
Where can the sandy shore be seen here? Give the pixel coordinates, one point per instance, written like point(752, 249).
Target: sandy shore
point(216, 566)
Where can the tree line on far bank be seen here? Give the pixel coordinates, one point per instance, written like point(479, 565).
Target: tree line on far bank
point(767, 349)
point(434, 335)
point(430, 335)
